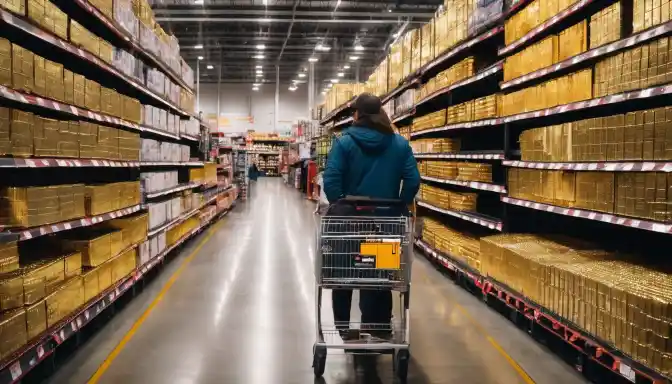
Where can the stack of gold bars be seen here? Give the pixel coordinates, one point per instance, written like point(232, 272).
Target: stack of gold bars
point(482, 108)
point(36, 294)
point(34, 206)
point(644, 66)
point(176, 233)
point(460, 113)
point(442, 145)
point(23, 70)
point(642, 194)
point(452, 170)
point(431, 120)
point(648, 13)
point(210, 173)
point(641, 135)
point(442, 198)
point(578, 282)
point(463, 245)
point(535, 13)
point(571, 88)
point(456, 73)
point(605, 25)
point(24, 134)
point(111, 197)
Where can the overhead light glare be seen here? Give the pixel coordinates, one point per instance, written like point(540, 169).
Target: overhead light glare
point(302, 75)
point(323, 48)
point(359, 47)
point(334, 81)
point(259, 56)
point(265, 20)
point(292, 88)
point(210, 67)
point(256, 84)
point(347, 66)
point(313, 59)
point(354, 58)
point(341, 74)
point(255, 88)
point(198, 2)
point(258, 67)
point(198, 46)
point(200, 58)
point(261, 46)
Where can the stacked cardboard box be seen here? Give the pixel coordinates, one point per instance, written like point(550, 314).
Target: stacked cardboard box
point(644, 66)
point(574, 87)
point(606, 25)
point(443, 145)
point(431, 120)
point(648, 13)
point(447, 199)
point(641, 135)
point(462, 245)
point(575, 280)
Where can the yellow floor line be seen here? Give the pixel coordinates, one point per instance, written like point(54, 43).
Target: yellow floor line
point(481, 329)
point(129, 335)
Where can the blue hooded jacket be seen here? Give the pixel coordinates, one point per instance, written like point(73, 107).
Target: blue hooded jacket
point(365, 162)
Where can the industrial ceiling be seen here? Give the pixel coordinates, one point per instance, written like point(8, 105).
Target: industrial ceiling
point(246, 39)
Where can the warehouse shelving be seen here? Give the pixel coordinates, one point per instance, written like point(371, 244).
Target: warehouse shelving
point(588, 56)
point(171, 163)
point(402, 116)
point(537, 317)
point(33, 354)
point(127, 40)
point(625, 221)
point(12, 162)
point(627, 166)
point(492, 70)
point(473, 217)
point(22, 26)
point(168, 191)
point(475, 155)
point(469, 184)
point(31, 233)
point(467, 125)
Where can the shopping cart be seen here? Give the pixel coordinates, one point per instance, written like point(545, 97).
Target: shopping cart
point(364, 244)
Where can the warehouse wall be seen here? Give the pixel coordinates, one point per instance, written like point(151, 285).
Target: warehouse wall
point(238, 101)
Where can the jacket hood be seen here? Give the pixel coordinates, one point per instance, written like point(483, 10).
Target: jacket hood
point(370, 140)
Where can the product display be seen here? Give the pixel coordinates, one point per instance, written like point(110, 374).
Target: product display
point(449, 170)
point(158, 181)
point(605, 25)
point(431, 120)
point(462, 245)
point(444, 145)
point(447, 199)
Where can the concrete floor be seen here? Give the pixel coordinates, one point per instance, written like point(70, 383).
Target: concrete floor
point(242, 311)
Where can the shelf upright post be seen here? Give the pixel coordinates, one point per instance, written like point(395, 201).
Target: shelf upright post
point(198, 86)
point(219, 89)
point(505, 178)
point(277, 97)
point(311, 90)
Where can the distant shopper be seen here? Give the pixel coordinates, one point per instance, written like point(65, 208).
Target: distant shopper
point(369, 159)
point(253, 172)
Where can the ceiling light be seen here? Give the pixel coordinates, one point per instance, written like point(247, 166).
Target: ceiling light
point(313, 59)
point(258, 56)
point(198, 2)
point(347, 66)
point(323, 92)
point(198, 46)
point(354, 58)
point(261, 46)
point(389, 10)
point(259, 75)
point(322, 47)
point(259, 71)
point(265, 20)
point(334, 81)
point(200, 58)
point(292, 88)
point(265, 2)
point(337, 4)
point(258, 67)
point(302, 75)
point(341, 74)
point(256, 84)
point(255, 88)
point(210, 67)
point(359, 47)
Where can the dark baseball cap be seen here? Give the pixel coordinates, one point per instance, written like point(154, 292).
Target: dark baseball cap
point(367, 104)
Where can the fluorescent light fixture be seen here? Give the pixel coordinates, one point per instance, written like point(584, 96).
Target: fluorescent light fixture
point(359, 47)
point(354, 58)
point(389, 10)
point(313, 59)
point(347, 66)
point(302, 75)
point(255, 88)
point(322, 47)
point(261, 46)
point(259, 71)
point(265, 2)
point(258, 67)
point(198, 2)
point(259, 56)
point(259, 75)
point(334, 81)
point(292, 88)
point(337, 4)
point(265, 20)
point(341, 74)
point(200, 58)
point(323, 92)
point(329, 85)
point(210, 67)
point(256, 84)
point(198, 46)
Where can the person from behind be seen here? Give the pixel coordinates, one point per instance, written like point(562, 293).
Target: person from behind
point(369, 159)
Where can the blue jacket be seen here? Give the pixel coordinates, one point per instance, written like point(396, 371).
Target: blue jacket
point(365, 162)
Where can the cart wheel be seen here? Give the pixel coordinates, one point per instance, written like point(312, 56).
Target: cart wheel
point(401, 359)
point(319, 360)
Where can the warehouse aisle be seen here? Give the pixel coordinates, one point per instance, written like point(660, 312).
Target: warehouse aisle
point(241, 310)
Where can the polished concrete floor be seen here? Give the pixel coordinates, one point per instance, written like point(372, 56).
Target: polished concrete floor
point(241, 310)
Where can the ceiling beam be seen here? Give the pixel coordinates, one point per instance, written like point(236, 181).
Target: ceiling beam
point(267, 13)
point(267, 21)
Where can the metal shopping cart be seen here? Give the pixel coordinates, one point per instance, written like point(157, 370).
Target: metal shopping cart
point(364, 244)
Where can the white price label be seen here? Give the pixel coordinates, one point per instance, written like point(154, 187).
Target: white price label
point(15, 370)
point(627, 372)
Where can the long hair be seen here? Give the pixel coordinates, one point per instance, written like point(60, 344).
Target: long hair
point(378, 122)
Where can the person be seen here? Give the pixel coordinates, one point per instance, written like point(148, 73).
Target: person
point(370, 160)
point(253, 172)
